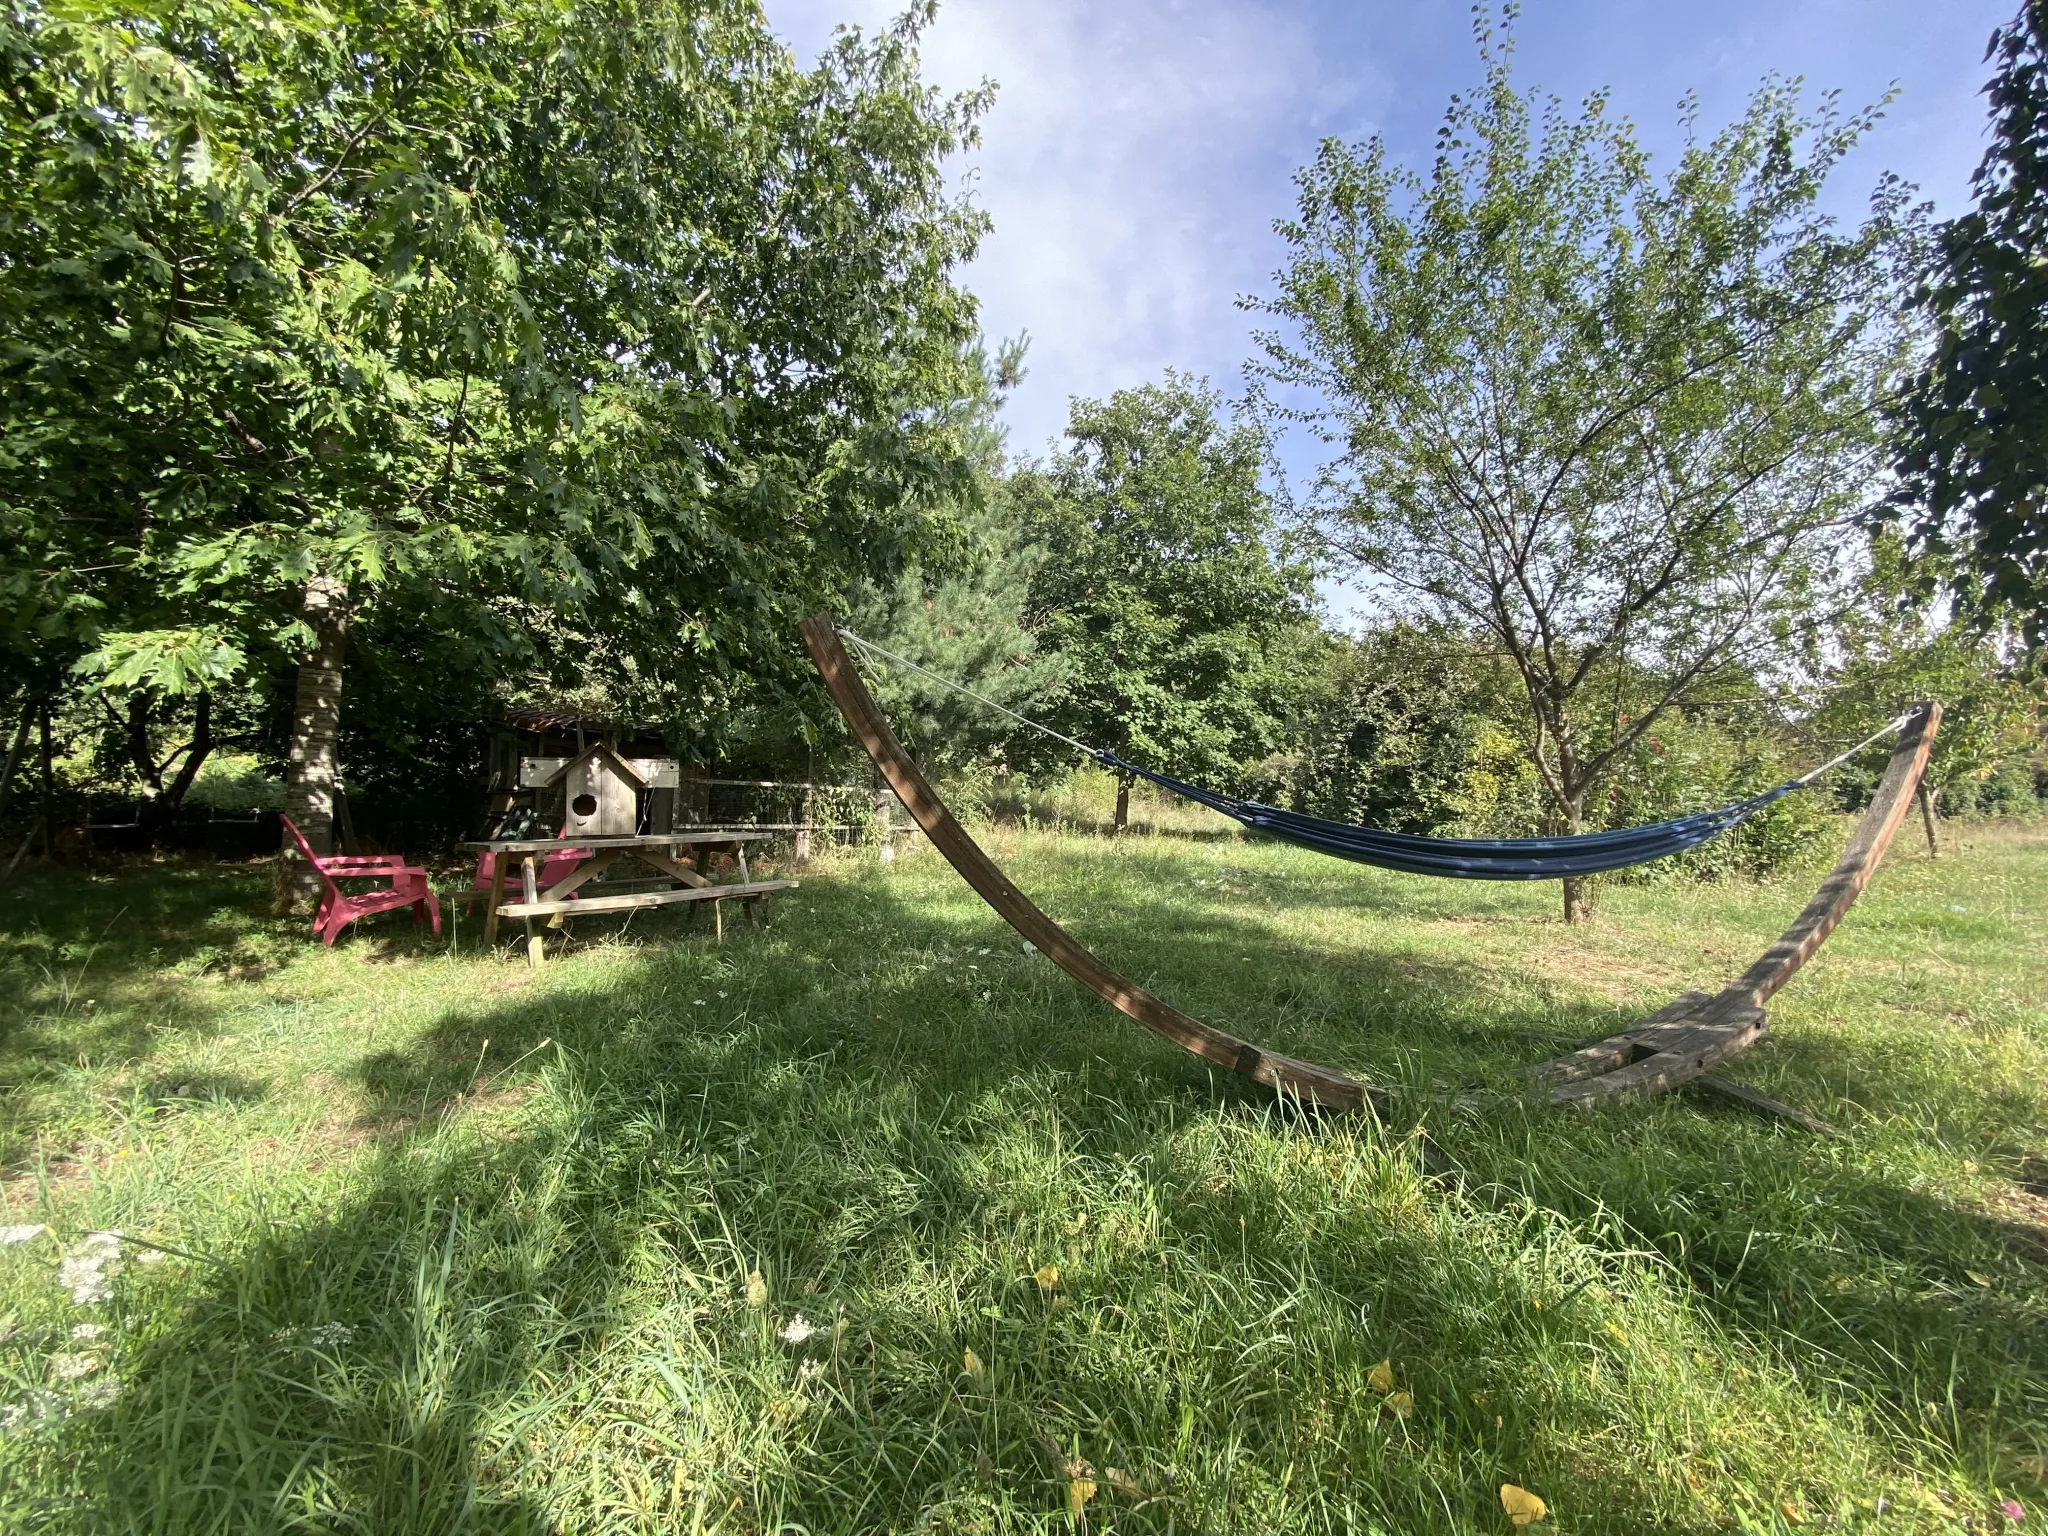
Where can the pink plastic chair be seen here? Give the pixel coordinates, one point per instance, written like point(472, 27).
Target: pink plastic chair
point(338, 909)
point(552, 869)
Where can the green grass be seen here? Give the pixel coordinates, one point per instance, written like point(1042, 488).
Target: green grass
point(464, 1248)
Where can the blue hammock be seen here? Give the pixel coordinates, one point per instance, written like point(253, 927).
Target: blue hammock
point(1457, 858)
point(1470, 858)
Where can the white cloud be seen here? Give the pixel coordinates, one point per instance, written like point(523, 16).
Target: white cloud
point(1133, 164)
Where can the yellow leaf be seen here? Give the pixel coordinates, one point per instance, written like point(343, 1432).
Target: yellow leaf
point(1614, 1331)
point(1079, 1492)
point(757, 1290)
point(1523, 1507)
point(1048, 1279)
point(1977, 1279)
point(1791, 1512)
point(1381, 1377)
point(970, 1362)
point(1401, 1403)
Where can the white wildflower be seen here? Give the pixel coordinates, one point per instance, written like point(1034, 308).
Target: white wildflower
point(103, 1393)
point(71, 1367)
point(721, 994)
point(151, 1256)
point(9, 1236)
point(37, 1409)
point(85, 1333)
point(85, 1270)
point(800, 1330)
point(327, 1335)
point(982, 951)
point(810, 1371)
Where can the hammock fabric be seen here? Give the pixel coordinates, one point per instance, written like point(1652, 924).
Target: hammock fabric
point(1471, 858)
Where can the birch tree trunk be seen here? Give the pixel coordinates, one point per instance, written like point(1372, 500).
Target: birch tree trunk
point(311, 771)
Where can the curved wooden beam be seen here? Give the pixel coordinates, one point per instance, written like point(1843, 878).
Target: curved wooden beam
point(1695, 1033)
point(1301, 1079)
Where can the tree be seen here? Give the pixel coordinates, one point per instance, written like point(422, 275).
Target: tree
point(962, 615)
point(1972, 455)
point(1613, 423)
point(596, 339)
point(1166, 589)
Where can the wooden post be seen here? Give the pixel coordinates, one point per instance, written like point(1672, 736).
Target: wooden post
point(529, 887)
point(885, 816)
point(495, 900)
point(1927, 821)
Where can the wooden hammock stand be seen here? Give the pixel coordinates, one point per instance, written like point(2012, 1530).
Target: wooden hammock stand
point(1682, 1041)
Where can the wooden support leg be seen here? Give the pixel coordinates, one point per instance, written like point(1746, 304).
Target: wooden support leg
point(529, 887)
point(494, 900)
point(717, 920)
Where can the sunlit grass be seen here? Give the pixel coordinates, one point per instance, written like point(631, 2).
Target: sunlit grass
point(462, 1247)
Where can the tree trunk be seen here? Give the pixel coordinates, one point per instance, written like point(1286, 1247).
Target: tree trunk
point(311, 769)
point(28, 715)
point(1578, 889)
point(49, 775)
point(160, 805)
point(1123, 804)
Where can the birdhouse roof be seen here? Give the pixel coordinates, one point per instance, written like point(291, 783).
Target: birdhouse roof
point(618, 765)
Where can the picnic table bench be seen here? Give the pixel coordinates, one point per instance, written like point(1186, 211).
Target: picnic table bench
point(670, 855)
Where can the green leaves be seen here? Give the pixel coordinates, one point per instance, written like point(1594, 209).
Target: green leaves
point(1168, 592)
point(168, 661)
point(579, 330)
point(1972, 445)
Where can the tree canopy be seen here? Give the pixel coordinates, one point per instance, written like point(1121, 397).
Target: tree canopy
point(578, 338)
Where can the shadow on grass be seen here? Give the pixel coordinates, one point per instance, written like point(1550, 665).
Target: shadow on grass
point(549, 1326)
point(110, 967)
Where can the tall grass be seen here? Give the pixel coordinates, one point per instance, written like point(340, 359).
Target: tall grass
point(873, 1221)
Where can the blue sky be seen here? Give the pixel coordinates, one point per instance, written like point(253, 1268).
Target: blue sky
point(1139, 150)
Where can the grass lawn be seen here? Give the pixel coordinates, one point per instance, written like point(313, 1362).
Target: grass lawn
point(872, 1221)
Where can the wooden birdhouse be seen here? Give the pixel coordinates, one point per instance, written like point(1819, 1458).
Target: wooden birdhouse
point(601, 792)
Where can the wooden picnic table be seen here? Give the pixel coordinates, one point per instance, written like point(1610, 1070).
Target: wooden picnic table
point(670, 855)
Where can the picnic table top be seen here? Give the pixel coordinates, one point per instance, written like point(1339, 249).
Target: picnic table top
point(680, 837)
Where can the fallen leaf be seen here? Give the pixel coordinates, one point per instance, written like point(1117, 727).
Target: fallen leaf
point(1048, 1279)
point(1614, 1331)
point(1381, 1377)
point(1977, 1279)
point(1791, 1512)
point(1401, 1403)
point(1079, 1492)
point(970, 1362)
point(1121, 1481)
point(1523, 1507)
point(757, 1290)
point(984, 1468)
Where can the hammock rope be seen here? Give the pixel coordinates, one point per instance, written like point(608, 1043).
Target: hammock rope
point(1457, 858)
